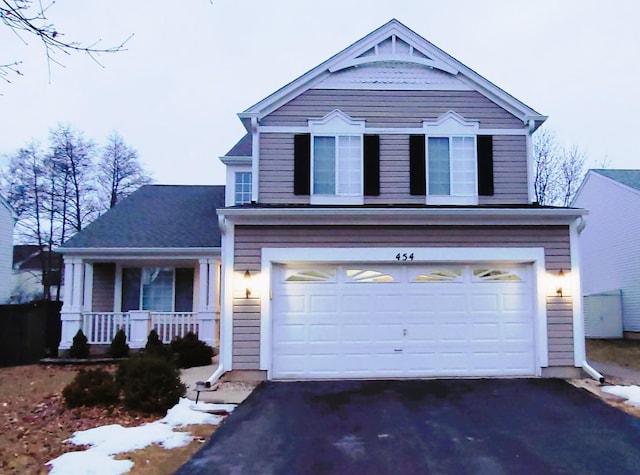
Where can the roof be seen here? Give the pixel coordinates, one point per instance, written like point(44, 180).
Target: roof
point(243, 148)
point(365, 51)
point(627, 177)
point(157, 216)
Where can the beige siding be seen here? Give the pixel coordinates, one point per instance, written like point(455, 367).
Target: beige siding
point(104, 276)
point(276, 171)
point(392, 108)
point(251, 239)
point(509, 171)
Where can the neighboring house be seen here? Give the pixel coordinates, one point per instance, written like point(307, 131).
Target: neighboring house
point(610, 248)
point(27, 281)
point(379, 222)
point(7, 222)
point(152, 261)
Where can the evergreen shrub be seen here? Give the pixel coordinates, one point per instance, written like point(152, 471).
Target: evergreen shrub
point(93, 387)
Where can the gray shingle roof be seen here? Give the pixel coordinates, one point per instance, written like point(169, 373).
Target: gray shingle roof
point(242, 148)
point(157, 216)
point(626, 177)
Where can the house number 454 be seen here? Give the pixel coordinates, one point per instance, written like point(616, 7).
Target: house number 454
point(404, 257)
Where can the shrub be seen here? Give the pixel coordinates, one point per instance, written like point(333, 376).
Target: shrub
point(155, 347)
point(190, 351)
point(91, 388)
point(150, 384)
point(119, 347)
point(80, 346)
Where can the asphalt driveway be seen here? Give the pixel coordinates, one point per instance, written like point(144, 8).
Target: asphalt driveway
point(519, 426)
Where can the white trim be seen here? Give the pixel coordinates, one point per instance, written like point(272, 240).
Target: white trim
point(532, 255)
point(393, 27)
point(141, 253)
point(226, 317)
point(579, 350)
point(255, 159)
point(336, 122)
point(450, 123)
point(531, 188)
point(230, 187)
point(117, 291)
point(403, 216)
point(277, 129)
point(229, 160)
point(393, 87)
point(336, 199)
point(393, 58)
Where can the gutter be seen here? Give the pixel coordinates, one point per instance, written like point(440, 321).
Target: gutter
point(591, 371)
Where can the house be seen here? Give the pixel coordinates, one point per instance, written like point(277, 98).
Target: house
point(7, 222)
point(379, 221)
point(151, 262)
point(27, 281)
point(610, 251)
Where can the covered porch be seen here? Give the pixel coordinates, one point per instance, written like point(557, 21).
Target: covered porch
point(173, 293)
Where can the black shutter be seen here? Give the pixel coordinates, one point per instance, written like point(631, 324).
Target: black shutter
point(302, 164)
point(417, 170)
point(371, 165)
point(485, 165)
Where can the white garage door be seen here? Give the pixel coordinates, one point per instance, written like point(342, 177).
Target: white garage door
point(365, 321)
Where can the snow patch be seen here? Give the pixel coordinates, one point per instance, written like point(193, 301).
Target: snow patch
point(113, 439)
point(630, 393)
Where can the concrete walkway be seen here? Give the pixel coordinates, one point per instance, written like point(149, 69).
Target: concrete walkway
point(223, 392)
point(617, 374)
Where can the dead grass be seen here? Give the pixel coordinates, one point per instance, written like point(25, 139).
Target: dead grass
point(34, 422)
point(625, 353)
point(155, 460)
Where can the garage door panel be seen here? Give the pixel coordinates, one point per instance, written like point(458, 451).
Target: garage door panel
point(451, 322)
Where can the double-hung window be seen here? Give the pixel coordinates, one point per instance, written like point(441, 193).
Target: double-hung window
point(451, 166)
point(242, 191)
point(337, 165)
point(335, 160)
point(446, 157)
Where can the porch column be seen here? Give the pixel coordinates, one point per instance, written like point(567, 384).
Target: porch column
point(207, 301)
point(72, 308)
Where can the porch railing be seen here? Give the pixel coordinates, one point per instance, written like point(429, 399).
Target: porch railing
point(101, 327)
point(170, 325)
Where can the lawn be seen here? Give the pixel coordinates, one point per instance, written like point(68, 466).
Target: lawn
point(34, 423)
point(624, 353)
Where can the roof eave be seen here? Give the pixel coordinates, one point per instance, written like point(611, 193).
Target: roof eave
point(139, 252)
point(407, 216)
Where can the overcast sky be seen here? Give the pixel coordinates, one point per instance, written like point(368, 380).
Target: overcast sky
point(192, 65)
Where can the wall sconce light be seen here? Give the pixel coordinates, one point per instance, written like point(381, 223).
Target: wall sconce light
point(247, 283)
point(560, 283)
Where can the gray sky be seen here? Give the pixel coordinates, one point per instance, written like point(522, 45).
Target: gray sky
point(193, 65)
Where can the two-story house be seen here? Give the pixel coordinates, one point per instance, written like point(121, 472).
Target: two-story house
point(379, 221)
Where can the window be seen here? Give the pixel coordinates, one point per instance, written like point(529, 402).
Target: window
point(162, 289)
point(242, 192)
point(451, 166)
point(337, 165)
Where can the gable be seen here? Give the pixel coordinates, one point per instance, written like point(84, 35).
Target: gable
point(393, 57)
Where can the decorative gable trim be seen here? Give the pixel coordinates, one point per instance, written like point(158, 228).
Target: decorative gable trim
point(451, 123)
point(392, 49)
point(434, 57)
point(337, 122)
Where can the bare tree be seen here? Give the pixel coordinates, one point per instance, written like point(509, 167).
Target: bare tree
point(29, 18)
point(558, 172)
point(120, 171)
point(27, 186)
point(72, 157)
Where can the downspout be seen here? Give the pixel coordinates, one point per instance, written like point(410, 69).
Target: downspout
point(220, 370)
point(590, 370)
